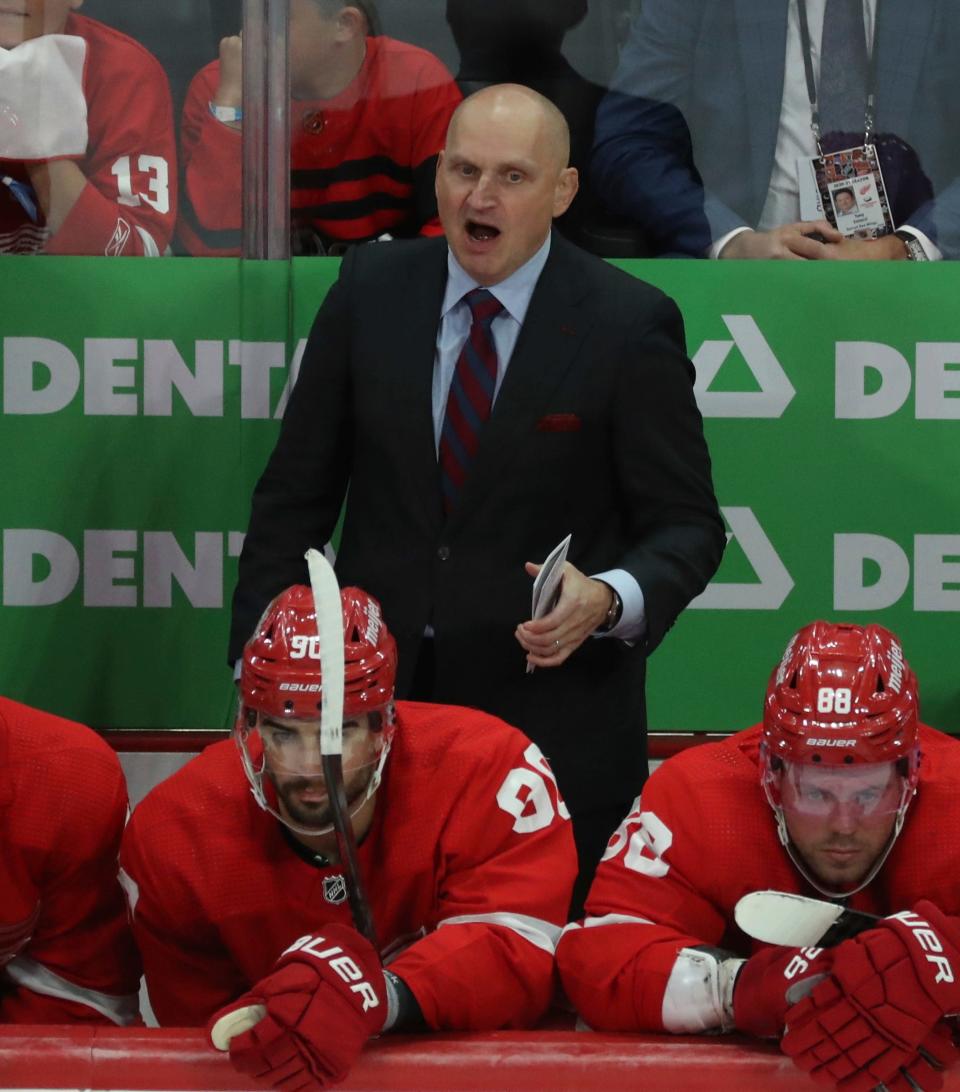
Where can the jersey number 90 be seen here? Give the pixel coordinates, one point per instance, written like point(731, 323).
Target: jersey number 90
point(525, 796)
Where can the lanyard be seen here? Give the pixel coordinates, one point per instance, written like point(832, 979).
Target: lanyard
point(868, 108)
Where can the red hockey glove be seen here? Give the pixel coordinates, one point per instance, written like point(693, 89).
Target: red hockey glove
point(769, 983)
point(854, 1058)
point(324, 998)
point(888, 988)
point(938, 1052)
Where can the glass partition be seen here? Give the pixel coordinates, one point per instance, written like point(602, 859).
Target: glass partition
point(152, 129)
point(786, 128)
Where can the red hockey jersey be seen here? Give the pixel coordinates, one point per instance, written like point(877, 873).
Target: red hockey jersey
point(469, 865)
point(66, 953)
point(701, 836)
point(362, 163)
point(129, 204)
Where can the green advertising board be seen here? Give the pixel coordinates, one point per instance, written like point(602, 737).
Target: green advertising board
point(140, 401)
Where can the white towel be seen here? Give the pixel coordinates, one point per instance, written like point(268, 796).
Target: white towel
point(43, 112)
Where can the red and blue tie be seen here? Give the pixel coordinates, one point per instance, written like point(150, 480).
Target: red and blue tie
point(471, 396)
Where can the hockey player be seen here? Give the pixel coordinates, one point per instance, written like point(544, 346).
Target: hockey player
point(87, 153)
point(864, 810)
point(368, 117)
point(239, 896)
point(66, 954)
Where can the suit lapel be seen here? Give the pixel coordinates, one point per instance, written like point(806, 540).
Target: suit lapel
point(555, 329)
point(410, 335)
point(762, 35)
point(902, 33)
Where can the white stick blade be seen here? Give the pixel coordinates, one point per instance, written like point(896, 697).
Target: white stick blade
point(326, 600)
point(776, 917)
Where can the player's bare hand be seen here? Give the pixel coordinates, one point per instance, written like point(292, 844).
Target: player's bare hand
point(230, 89)
point(582, 606)
point(790, 242)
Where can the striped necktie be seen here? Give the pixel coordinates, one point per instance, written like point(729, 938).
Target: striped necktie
point(842, 94)
point(471, 396)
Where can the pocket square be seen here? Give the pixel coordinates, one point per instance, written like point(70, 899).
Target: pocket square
point(559, 422)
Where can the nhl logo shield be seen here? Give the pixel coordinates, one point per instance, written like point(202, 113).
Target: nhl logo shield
point(335, 889)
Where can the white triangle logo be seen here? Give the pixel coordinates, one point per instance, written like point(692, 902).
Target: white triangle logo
point(775, 583)
point(776, 391)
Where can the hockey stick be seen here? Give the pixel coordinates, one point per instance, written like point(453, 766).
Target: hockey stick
point(326, 599)
point(776, 917)
point(235, 1023)
point(795, 921)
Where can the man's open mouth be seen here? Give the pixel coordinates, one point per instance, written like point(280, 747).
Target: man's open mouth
point(481, 233)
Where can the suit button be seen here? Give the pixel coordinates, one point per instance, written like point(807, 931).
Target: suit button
point(444, 553)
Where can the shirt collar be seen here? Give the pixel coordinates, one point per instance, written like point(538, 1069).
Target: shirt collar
point(514, 292)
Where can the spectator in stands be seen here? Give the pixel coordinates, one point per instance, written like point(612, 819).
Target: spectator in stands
point(465, 856)
point(66, 954)
point(87, 153)
point(706, 136)
point(367, 120)
point(521, 41)
point(839, 794)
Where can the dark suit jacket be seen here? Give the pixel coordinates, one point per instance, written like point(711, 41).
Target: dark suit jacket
point(685, 139)
point(627, 472)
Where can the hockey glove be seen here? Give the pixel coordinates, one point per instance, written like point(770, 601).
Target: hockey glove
point(888, 989)
point(324, 998)
point(773, 980)
point(853, 1057)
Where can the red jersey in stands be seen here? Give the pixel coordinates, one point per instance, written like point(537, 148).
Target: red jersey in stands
point(362, 163)
point(66, 953)
point(701, 836)
point(469, 865)
point(128, 206)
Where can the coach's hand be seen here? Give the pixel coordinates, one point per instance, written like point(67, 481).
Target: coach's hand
point(324, 998)
point(770, 982)
point(582, 606)
point(876, 1015)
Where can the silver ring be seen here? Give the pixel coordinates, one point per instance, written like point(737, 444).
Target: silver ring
point(557, 643)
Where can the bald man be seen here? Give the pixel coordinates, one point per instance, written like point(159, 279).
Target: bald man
point(483, 396)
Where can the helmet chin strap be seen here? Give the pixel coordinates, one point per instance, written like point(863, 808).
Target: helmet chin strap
point(802, 868)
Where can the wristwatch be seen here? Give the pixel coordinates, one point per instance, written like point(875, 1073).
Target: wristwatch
point(226, 113)
point(613, 612)
point(915, 251)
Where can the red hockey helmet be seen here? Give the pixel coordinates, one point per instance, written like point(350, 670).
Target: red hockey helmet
point(280, 679)
point(844, 700)
point(842, 694)
point(280, 676)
